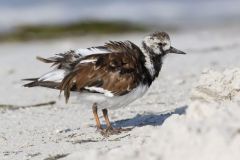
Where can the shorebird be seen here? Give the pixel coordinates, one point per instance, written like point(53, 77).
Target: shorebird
point(109, 76)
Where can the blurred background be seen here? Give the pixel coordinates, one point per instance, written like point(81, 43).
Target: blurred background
point(28, 19)
point(207, 30)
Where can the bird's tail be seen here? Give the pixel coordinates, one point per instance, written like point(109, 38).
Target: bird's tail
point(63, 63)
point(35, 82)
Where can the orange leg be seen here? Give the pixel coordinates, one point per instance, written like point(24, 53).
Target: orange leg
point(109, 130)
point(94, 109)
point(105, 115)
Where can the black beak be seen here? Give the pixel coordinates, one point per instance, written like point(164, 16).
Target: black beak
point(174, 50)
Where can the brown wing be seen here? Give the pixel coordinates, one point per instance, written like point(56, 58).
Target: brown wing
point(118, 72)
point(62, 60)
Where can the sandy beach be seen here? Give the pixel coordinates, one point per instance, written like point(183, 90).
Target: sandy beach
point(178, 118)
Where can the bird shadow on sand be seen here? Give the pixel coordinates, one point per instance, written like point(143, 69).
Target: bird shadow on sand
point(148, 119)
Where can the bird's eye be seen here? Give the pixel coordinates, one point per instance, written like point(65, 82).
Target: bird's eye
point(162, 44)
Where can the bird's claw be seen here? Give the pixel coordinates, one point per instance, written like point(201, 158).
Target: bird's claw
point(113, 131)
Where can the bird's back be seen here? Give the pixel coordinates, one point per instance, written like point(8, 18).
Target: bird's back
point(113, 70)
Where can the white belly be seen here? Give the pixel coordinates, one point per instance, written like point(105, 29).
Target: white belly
point(110, 102)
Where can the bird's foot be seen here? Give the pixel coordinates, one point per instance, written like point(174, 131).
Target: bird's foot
point(113, 131)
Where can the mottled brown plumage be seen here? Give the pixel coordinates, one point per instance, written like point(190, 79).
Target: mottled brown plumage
point(118, 72)
point(112, 75)
point(61, 60)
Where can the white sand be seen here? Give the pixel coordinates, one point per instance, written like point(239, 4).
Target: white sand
point(218, 86)
point(172, 121)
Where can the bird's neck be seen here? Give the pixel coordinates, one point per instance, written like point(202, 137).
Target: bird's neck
point(153, 62)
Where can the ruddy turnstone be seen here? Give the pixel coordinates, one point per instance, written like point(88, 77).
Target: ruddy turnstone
point(117, 73)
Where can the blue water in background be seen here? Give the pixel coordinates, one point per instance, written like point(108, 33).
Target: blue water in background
point(164, 12)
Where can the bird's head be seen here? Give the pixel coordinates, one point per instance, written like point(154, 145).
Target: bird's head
point(159, 43)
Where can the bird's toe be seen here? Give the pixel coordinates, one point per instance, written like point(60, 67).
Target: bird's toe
point(113, 131)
